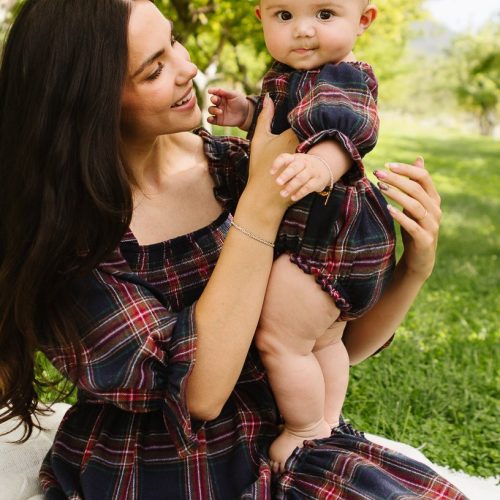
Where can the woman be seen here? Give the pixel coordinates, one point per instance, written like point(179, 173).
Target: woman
point(112, 264)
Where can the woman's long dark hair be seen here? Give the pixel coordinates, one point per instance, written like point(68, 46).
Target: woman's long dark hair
point(65, 200)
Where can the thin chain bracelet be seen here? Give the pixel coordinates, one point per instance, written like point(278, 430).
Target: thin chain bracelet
point(251, 235)
point(328, 190)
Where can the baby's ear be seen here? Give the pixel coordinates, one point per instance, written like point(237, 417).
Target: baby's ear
point(257, 13)
point(368, 15)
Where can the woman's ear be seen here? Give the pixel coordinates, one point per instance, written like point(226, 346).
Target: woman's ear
point(368, 15)
point(257, 13)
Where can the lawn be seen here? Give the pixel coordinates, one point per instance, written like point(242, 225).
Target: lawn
point(436, 388)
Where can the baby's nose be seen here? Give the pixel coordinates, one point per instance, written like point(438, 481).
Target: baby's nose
point(304, 29)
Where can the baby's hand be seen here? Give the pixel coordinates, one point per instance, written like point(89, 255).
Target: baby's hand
point(229, 108)
point(302, 174)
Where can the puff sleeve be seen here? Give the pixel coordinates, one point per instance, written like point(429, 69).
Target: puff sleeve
point(136, 353)
point(337, 102)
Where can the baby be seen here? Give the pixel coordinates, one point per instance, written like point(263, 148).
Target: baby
point(341, 237)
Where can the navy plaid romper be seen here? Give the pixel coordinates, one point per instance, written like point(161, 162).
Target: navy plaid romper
point(349, 244)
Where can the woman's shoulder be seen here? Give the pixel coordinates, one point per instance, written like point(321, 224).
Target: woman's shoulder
point(222, 149)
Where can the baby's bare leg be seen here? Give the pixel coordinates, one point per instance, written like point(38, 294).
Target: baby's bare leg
point(295, 314)
point(334, 361)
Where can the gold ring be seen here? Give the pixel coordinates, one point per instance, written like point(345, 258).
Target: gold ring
point(424, 216)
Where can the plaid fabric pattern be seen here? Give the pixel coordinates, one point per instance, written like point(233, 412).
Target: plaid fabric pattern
point(336, 101)
point(130, 435)
point(348, 245)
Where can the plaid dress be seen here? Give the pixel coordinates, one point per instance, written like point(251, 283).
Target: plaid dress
point(130, 435)
point(349, 245)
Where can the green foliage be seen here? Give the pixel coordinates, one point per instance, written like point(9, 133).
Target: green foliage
point(475, 68)
point(384, 44)
point(223, 34)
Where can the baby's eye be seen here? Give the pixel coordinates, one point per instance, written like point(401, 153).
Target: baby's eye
point(284, 15)
point(325, 15)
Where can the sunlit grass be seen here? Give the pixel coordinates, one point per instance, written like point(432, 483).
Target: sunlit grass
point(437, 387)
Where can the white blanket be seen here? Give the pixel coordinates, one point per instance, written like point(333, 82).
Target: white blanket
point(19, 464)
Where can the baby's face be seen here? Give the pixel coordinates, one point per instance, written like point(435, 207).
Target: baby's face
point(307, 34)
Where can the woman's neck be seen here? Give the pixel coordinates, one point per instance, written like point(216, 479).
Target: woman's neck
point(150, 163)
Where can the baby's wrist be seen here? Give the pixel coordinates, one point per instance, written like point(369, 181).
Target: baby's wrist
point(250, 109)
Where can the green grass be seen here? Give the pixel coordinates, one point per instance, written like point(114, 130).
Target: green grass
point(437, 386)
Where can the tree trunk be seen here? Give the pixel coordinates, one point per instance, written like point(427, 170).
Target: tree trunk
point(486, 122)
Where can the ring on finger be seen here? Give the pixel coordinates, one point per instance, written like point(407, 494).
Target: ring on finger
point(423, 216)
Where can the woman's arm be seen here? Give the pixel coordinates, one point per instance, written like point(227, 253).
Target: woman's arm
point(228, 310)
point(410, 186)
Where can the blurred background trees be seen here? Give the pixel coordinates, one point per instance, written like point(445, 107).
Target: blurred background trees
point(419, 62)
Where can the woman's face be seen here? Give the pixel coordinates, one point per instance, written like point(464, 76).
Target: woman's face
point(158, 97)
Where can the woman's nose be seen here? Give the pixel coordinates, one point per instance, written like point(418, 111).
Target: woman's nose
point(186, 71)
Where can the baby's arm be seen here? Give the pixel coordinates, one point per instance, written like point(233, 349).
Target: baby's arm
point(230, 108)
point(324, 164)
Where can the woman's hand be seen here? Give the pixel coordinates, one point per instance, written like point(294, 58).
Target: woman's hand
point(265, 148)
point(411, 187)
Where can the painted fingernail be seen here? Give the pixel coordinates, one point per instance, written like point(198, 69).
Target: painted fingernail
point(383, 186)
point(380, 174)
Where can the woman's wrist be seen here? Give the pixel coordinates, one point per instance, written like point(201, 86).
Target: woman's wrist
point(258, 219)
point(417, 276)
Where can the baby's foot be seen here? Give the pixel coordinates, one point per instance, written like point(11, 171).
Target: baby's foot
point(283, 446)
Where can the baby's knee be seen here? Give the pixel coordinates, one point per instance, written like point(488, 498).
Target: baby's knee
point(268, 341)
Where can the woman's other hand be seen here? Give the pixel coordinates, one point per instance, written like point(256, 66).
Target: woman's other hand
point(411, 187)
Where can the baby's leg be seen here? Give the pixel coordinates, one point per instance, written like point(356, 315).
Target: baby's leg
point(295, 314)
point(334, 361)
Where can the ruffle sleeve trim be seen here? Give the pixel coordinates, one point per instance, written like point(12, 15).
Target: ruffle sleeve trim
point(228, 165)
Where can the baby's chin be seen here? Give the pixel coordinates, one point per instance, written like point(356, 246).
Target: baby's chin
point(306, 64)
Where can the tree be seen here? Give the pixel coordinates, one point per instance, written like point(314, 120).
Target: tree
point(475, 63)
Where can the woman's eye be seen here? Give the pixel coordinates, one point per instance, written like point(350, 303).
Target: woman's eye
point(157, 73)
point(325, 15)
point(284, 15)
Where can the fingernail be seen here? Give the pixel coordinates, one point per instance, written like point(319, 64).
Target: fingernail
point(380, 174)
point(390, 208)
point(284, 193)
point(267, 98)
point(392, 166)
point(383, 186)
point(280, 181)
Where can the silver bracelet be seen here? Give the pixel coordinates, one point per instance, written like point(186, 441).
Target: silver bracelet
point(328, 190)
point(251, 235)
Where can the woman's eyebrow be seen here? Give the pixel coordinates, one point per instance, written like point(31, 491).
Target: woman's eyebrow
point(151, 59)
